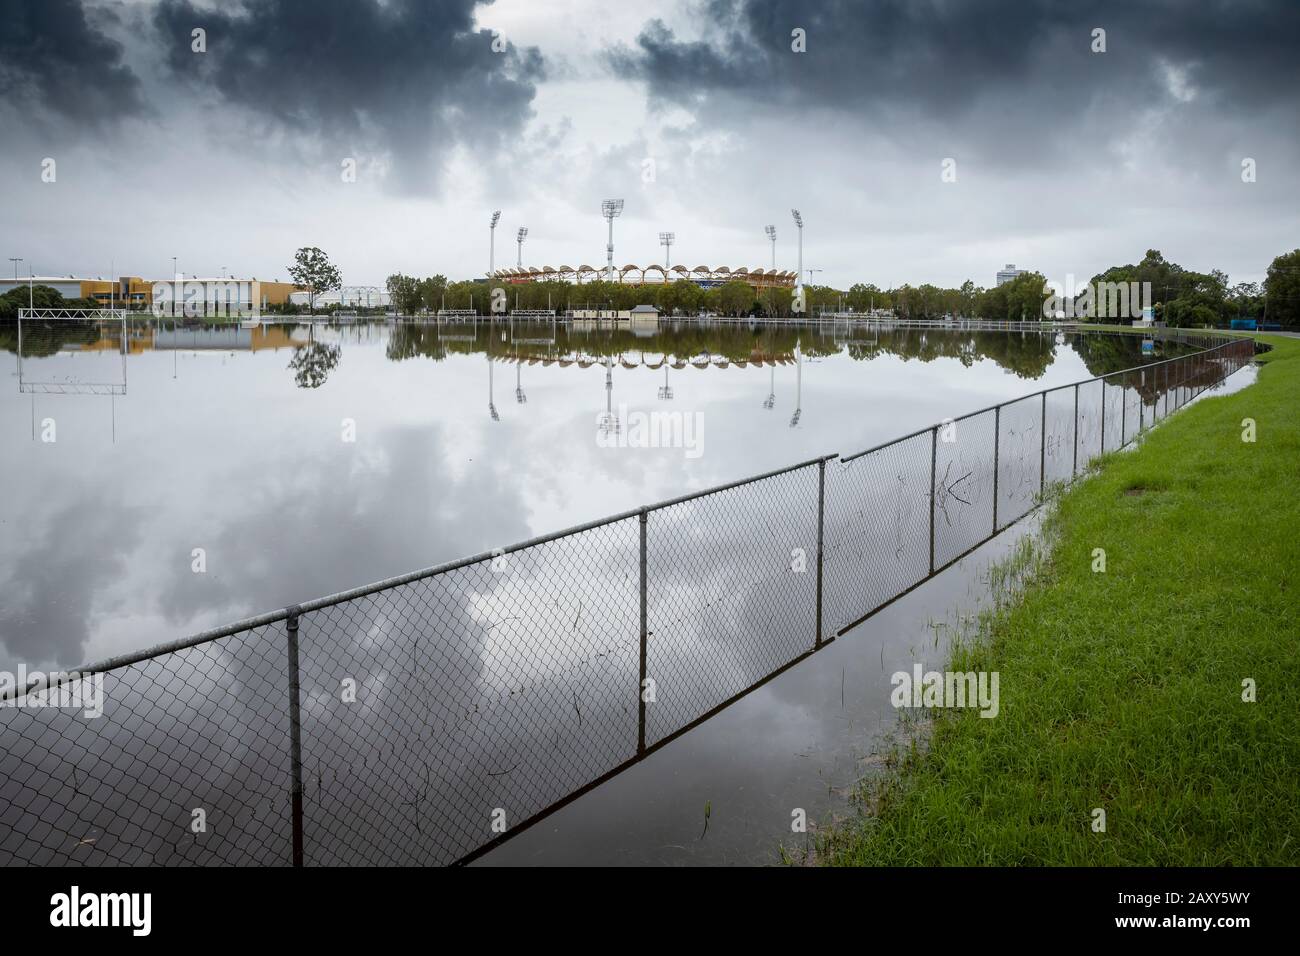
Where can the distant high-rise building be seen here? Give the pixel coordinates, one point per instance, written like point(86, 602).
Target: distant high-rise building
point(1009, 273)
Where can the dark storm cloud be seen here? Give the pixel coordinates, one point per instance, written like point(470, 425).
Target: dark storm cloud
point(941, 57)
point(55, 57)
point(404, 77)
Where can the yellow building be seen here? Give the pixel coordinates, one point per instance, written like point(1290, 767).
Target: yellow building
point(193, 296)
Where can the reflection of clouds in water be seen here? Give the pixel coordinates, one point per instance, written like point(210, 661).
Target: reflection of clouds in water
point(478, 689)
point(331, 525)
point(57, 564)
point(203, 728)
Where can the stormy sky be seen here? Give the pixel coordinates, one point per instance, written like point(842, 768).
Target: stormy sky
point(700, 114)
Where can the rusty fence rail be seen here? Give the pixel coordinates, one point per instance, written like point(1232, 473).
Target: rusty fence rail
point(427, 718)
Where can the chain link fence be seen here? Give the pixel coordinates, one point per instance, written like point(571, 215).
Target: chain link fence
point(425, 719)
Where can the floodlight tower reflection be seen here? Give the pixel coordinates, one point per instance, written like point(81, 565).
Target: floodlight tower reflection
point(798, 386)
point(608, 423)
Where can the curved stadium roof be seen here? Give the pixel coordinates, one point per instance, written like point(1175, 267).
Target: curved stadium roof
point(637, 275)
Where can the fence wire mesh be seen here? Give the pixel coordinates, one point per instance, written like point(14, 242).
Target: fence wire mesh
point(423, 720)
point(732, 592)
point(201, 729)
point(877, 528)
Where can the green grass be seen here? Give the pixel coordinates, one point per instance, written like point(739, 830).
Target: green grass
point(1123, 690)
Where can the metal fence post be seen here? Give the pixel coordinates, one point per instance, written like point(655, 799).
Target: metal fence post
point(1074, 468)
point(295, 736)
point(640, 687)
point(997, 441)
point(1141, 404)
point(1123, 411)
point(1103, 416)
point(1042, 451)
point(934, 501)
point(821, 521)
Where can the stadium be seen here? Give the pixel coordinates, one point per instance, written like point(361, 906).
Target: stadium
point(703, 276)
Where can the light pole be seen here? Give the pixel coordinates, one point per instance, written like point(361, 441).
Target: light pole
point(15, 260)
point(519, 239)
point(611, 209)
point(798, 221)
point(175, 277)
point(666, 240)
point(492, 243)
point(771, 235)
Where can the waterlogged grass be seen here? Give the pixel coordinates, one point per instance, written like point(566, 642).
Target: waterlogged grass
point(1122, 691)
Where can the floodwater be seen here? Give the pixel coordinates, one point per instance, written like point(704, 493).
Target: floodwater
point(199, 474)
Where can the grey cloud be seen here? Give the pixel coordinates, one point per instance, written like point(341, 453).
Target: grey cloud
point(942, 58)
point(56, 58)
point(405, 78)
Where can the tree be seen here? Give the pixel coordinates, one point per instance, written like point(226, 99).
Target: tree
point(313, 271)
point(431, 291)
point(40, 297)
point(736, 297)
point(1282, 290)
point(404, 292)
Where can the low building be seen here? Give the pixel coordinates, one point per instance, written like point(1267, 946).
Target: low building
point(1008, 273)
point(193, 296)
point(641, 312)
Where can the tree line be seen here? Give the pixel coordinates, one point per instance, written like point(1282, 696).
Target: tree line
point(1179, 296)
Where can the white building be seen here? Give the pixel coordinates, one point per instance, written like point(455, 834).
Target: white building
point(349, 296)
point(1007, 274)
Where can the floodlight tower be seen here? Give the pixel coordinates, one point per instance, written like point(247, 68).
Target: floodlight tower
point(492, 243)
point(611, 209)
point(798, 221)
point(771, 235)
point(519, 239)
point(666, 240)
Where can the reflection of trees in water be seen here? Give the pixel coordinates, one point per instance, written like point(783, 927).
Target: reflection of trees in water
point(1026, 354)
point(45, 338)
point(312, 363)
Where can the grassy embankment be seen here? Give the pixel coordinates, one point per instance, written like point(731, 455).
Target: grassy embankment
point(1123, 690)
